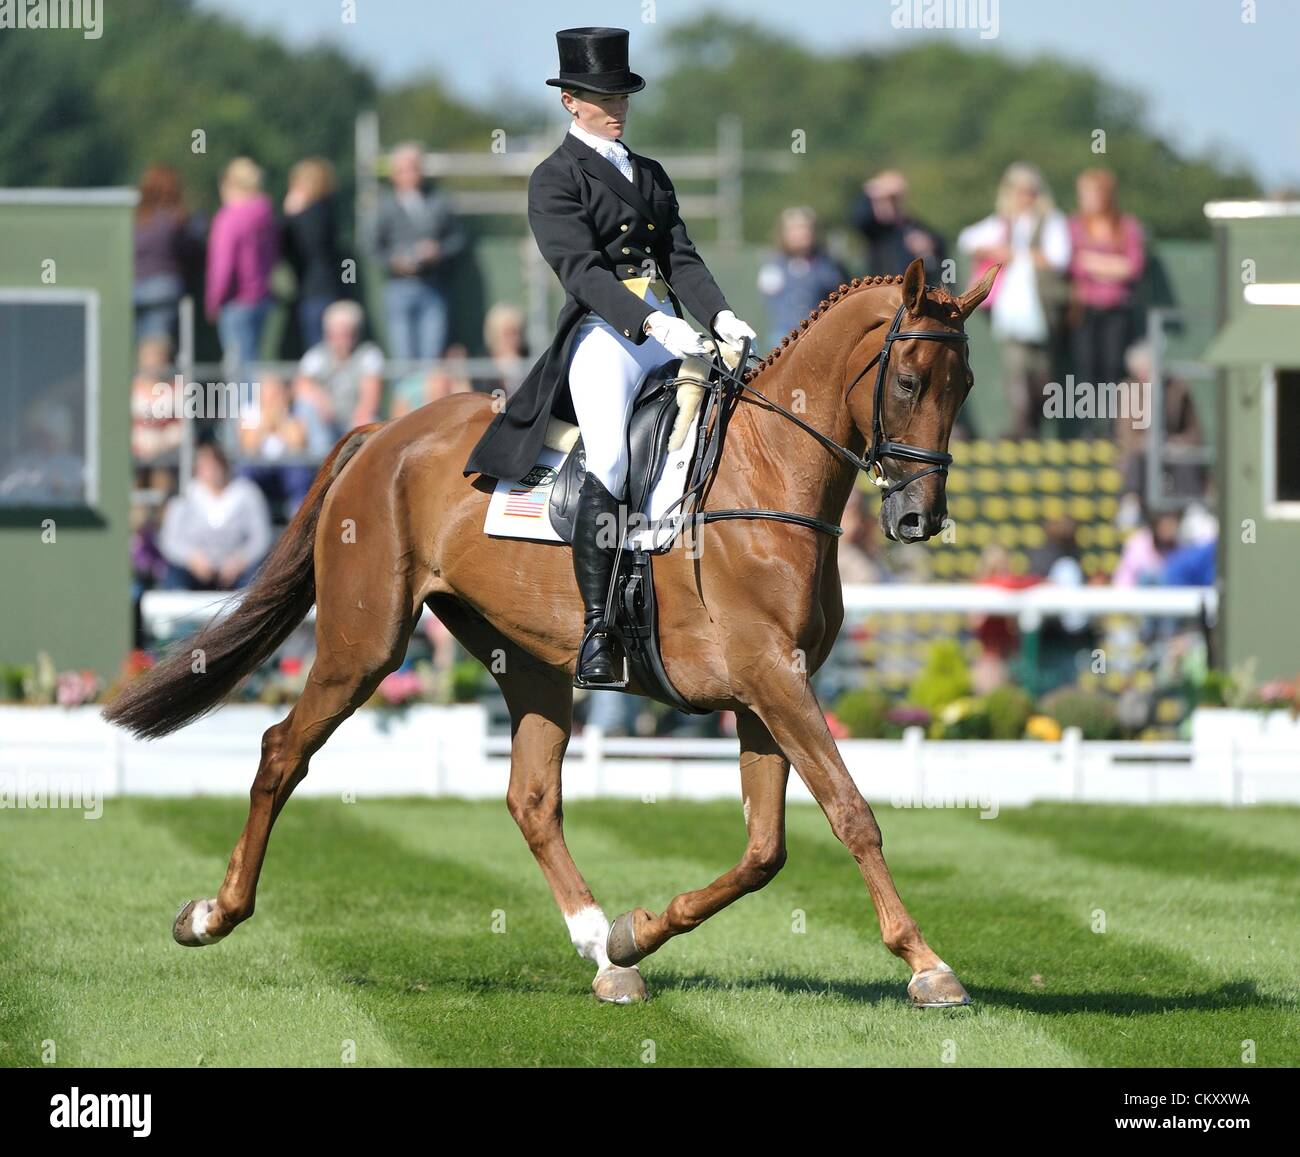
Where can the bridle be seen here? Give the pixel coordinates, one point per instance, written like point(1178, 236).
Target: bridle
point(882, 446)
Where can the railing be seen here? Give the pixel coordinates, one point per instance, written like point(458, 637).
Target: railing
point(163, 611)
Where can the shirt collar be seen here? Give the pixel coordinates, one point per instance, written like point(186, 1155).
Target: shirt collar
point(599, 144)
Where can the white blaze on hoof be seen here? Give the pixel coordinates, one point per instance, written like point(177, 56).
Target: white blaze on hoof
point(588, 929)
point(199, 921)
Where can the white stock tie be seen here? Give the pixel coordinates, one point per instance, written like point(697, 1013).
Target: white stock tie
point(617, 156)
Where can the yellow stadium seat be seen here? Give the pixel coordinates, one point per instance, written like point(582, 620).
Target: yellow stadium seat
point(1033, 535)
point(1025, 507)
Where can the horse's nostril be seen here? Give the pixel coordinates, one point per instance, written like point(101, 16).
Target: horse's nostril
point(909, 526)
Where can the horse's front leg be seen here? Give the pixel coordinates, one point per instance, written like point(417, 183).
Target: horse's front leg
point(763, 774)
point(788, 706)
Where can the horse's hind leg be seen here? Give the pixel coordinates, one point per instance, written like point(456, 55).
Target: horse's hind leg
point(356, 647)
point(540, 699)
point(764, 771)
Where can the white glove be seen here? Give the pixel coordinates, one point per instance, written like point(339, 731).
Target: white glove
point(731, 329)
point(677, 336)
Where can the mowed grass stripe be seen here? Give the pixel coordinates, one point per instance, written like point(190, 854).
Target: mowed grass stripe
point(829, 994)
point(1173, 942)
point(378, 915)
point(397, 900)
point(87, 946)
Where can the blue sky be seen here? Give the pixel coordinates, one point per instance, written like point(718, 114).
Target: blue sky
point(1211, 80)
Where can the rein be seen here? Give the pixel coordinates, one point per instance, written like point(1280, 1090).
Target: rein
point(881, 447)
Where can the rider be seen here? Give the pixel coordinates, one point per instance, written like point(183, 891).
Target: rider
point(607, 221)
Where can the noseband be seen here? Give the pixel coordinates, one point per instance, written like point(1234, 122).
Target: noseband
point(881, 444)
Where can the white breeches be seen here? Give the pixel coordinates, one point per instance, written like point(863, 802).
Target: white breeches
point(604, 371)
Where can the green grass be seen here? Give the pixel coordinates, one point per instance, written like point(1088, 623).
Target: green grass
point(374, 926)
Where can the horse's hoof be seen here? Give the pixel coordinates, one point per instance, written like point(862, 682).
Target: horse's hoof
point(937, 988)
point(620, 945)
point(615, 985)
point(190, 926)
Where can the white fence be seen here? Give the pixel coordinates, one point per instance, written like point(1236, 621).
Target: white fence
point(1233, 758)
point(163, 611)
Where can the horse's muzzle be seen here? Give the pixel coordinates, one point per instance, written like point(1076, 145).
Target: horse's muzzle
point(907, 519)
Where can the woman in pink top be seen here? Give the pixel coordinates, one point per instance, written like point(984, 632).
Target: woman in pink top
point(243, 248)
point(1107, 259)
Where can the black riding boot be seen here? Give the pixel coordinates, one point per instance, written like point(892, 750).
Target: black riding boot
point(595, 524)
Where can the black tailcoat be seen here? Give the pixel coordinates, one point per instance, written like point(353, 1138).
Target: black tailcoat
point(596, 229)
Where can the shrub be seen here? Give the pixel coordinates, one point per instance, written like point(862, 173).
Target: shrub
point(864, 711)
point(1009, 709)
point(1092, 712)
point(944, 679)
point(962, 719)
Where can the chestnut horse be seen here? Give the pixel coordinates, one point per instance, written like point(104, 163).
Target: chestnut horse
point(391, 525)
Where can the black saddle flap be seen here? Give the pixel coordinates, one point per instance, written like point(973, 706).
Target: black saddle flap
point(653, 415)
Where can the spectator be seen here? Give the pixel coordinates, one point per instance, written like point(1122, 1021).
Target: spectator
point(340, 382)
point(1060, 638)
point(1031, 239)
point(166, 243)
point(310, 243)
point(416, 236)
point(796, 278)
point(1106, 263)
point(418, 390)
point(997, 635)
point(242, 250)
point(1182, 428)
point(894, 237)
point(217, 531)
point(279, 433)
point(1192, 565)
point(1142, 560)
point(503, 337)
point(156, 426)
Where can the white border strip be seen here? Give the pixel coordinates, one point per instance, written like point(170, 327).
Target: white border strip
point(127, 197)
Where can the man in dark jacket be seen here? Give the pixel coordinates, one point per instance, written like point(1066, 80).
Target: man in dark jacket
point(894, 237)
point(607, 221)
point(416, 238)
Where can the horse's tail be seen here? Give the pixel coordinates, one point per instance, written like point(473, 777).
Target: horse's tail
point(200, 672)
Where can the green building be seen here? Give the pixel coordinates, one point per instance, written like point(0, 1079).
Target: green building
point(65, 440)
point(1258, 351)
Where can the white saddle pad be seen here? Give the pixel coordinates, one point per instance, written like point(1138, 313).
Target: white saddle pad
point(520, 509)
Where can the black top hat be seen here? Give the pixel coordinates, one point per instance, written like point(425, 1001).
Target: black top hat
point(595, 59)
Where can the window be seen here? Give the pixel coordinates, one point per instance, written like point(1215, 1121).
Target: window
point(1282, 443)
point(49, 398)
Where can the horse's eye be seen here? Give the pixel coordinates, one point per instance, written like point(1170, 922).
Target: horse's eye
point(907, 382)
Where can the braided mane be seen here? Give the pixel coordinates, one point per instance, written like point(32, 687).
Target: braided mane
point(847, 289)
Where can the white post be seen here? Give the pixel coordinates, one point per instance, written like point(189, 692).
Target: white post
point(914, 762)
point(1072, 762)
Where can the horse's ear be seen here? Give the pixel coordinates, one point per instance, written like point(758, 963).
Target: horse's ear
point(914, 287)
point(969, 301)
